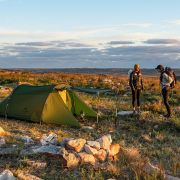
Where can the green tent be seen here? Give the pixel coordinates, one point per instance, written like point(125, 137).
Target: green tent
point(46, 104)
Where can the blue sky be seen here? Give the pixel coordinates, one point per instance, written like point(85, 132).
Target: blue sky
point(94, 25)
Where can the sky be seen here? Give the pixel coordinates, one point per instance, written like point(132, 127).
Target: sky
point(89, 34)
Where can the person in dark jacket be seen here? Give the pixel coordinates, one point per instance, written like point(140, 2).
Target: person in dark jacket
point(136, 84)
point(165, 81)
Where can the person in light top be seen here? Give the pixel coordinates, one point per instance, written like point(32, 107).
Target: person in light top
point(165, 82)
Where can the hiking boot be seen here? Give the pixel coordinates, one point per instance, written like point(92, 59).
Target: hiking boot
point(167, 116)
point(134, 112)
point(139, 111)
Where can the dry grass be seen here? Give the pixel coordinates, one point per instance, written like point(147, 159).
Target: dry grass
point(145, 138)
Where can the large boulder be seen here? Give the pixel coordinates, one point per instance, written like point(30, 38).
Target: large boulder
point(76, 144)
point(71, 159)
point(105, 141)
point(7, 175)
point(87, 158)
point(94, 144)
point(90, 150)
point(114, 149)
point(101, 155)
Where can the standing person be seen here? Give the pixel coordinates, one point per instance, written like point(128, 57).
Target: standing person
point(165, 80)
point(136, 84)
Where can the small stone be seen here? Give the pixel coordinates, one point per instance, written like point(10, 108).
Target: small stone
point(156, 127)
point(87, 158)
point(50, 139)
point(36, 164)
point(168, 177)
point(77, 144)
point(3, 133)
point(151, 169)
point(87, 128)
point(114, 149)
point(105, 141)
point(90, 150)
point(146, 138)
point(27, 140)
point(94, 144)
point(27, 176)
point(7, 175)
point(2, 141)
point(101, 155)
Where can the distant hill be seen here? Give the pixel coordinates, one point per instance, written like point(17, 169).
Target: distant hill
point(115, 71)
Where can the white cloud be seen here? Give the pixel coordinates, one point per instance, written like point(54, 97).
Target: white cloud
point(177, 22)
point(140, 25)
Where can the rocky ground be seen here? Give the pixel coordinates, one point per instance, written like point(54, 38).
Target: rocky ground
point(144, 146)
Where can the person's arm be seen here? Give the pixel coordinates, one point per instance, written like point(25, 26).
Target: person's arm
point(166, 80)
point(142, 84)
point(131, 81)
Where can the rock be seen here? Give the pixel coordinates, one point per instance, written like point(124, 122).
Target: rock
point(27, 140)
point(2, 141)
point(124, 113)
point(87, 128)
point(90, 150)
point(168, 177)
point(132, 154)
point(9, 151)
point(94, 144)
point(36, 164)
point(3, 133)
point(26, 176)
point(65, 141)
point(105, 141)
point(87, 158)
point(29, 150)
point(101, 155)
point(76, 144)
point(7, 175)
point(151, 169)
point(72, 160)
point(50, 139)
point(146, 138)
point(63, 151)
point(50, 149)
point(114, 149)
point(156, 127)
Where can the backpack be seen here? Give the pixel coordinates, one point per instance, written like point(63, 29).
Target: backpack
point(169, 71)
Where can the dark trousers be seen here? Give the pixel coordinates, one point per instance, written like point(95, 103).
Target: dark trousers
point(136, 97)
point(165, 94)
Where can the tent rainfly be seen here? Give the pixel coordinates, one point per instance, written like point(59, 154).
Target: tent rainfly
point(46, 104)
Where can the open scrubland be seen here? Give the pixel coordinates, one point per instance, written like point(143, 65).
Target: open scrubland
point(145, 138)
